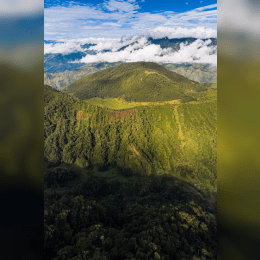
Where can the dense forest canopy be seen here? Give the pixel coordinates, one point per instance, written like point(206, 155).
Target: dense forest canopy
point(157, 218)
point(176, 138)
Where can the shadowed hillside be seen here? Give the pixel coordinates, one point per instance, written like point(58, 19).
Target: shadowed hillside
point(137, 81)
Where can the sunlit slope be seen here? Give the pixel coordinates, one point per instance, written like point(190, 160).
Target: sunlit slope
point(136, 81)
point(198, 72)
point(172, 138)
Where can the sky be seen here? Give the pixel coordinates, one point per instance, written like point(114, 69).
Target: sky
point(112, 24)
point(116, 18)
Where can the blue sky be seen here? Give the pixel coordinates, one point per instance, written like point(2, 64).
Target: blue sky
point(80, 19)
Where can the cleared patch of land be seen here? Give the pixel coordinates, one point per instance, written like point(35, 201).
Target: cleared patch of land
point(119, 103)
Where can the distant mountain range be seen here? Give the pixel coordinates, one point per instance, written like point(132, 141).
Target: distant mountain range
point(59, 62)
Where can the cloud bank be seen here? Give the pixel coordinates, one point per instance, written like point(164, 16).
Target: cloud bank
point(196, 52)
point(101, 44)
point(132, 48)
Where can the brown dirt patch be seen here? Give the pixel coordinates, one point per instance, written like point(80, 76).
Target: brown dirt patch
point(81, 117)
point(121, 115)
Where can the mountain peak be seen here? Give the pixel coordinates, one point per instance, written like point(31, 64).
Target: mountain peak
point(134, 81)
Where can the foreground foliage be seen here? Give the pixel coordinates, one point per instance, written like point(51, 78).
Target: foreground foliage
point(160, 218)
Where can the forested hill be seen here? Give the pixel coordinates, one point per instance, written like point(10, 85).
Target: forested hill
point(179, 139)
point(136, 81)
point(130, 184)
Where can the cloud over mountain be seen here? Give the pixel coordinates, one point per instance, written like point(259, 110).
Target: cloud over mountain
point(132, 48)
point(199, 51)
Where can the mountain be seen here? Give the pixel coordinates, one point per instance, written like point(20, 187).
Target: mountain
point(136, 183)
point(60, 80)
point(194, 71)
point(176, 138)
point(198, 72)
point(58, 62)
point(136, 81)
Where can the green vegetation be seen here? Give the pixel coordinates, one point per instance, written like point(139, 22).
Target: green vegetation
point(157, 218)
point(197, 72)
point(131, 179)
point(137, 81)
point(179, 139)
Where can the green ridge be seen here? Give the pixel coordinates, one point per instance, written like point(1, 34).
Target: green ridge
point(137, 81)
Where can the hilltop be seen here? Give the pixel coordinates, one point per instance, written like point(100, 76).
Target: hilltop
point(198, 72)
point(136, 81)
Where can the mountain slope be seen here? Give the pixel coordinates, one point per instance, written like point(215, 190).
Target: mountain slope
point(60, 80)
point(197, 72)
point(176, 138)
point(136, 81)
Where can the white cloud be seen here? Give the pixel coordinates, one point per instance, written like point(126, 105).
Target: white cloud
point(179, 32)
point(114, 18)
point(17, 8)
point(121, 6)
point(197, 52)
point(64, 48)
point(70, 46)
point(113, 44)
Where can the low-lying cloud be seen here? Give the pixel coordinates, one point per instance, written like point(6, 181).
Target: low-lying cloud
point(196, 52)
point(101, 44)
point(132, 48)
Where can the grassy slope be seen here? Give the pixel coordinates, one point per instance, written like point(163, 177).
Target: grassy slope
point(120, 104)
point(138, 81)
point(60, 80)
point(179, 139)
